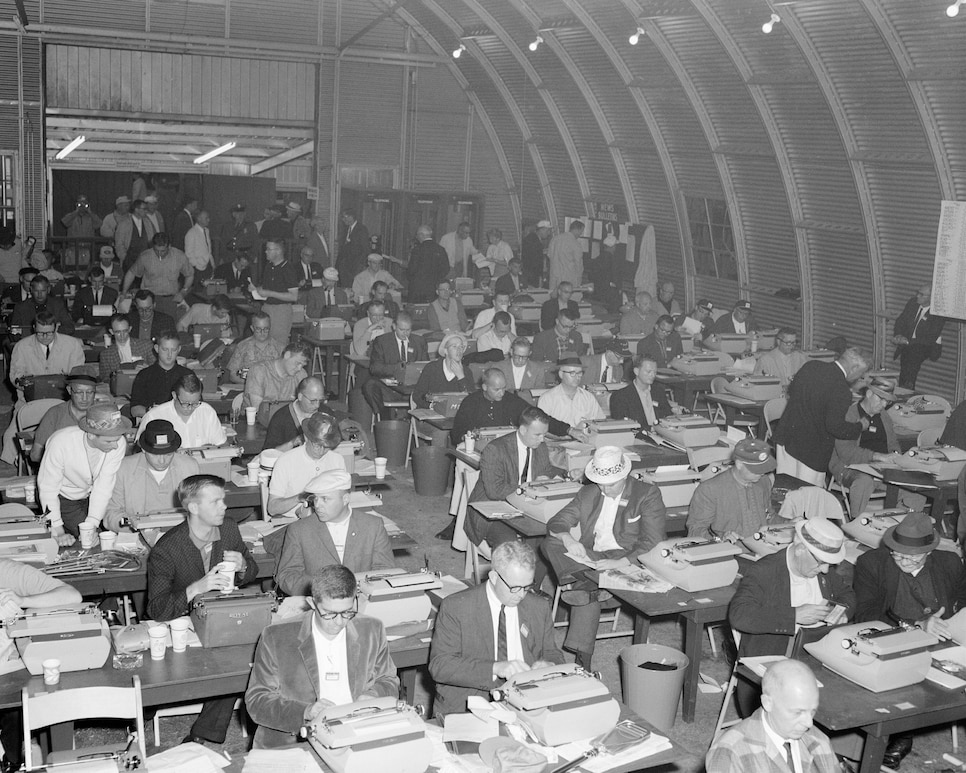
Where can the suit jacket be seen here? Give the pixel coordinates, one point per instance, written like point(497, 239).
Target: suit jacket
point(428, 263)
point(110, 361)
point(285, 675)
point(877, 581)
point(315, 303)
point(432, 379)
point(160, 323)
point(593, 369)
point(384, 359)
point(534, 375)
point(626, 404)
point(726, 324)
point(353, 249)
point(929, 330)
point(505, 285)
point(848, 452)
point(545, 345)
point(551, 308)
point(638, 527)
point(664, 352)
point(761, 607)
point(84, 303)
point(226, 273)
point(308, 547)
point(183, 222)
point(174, 563)
point(818, 399)
point(746, 747)
point(25, 311)
point(315, 269)
point(463, 651)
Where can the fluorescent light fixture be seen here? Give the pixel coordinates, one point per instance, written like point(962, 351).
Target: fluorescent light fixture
point(769, 25)
point(636, 37)
point(71, 147)
point(216, 152)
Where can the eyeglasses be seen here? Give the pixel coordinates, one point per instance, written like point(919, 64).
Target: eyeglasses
point(571, 373)
point(788, 342)
point(346, 614)
point(189, 406)
point(45, 333)
point(906, 558)
point(514, 588)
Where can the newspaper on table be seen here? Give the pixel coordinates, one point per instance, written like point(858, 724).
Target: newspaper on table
point(633, 578)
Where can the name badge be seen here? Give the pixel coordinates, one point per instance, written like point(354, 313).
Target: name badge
point(332, 676)
point(524, 631)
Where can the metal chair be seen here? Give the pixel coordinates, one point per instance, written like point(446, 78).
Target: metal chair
point(745, 421)
point(772, 411)
point(27, 419)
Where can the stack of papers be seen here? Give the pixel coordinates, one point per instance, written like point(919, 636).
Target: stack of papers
point(633, 578)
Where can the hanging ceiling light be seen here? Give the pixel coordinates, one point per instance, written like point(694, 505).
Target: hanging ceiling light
point(458, 52)
point(769, 25)
point(636, 37)
point(953, 10)
point(536, 43)
point(71, 146)
point(216, 152)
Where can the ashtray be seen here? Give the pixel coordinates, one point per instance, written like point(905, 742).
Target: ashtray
point(126, 661)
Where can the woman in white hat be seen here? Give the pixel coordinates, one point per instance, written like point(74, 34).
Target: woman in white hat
point(619, 518)
point(445, 374)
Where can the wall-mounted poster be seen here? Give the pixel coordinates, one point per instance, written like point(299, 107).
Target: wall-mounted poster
point(949, 269)
point(617, 255)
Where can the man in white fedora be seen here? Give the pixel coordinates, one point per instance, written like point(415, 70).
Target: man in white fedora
point(619, 518)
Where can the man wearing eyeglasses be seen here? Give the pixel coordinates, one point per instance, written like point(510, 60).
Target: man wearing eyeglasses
point(562, 340)
point(569, 402)
point(297, 467)
point(81, 389)
point(124, 350)
point(193, 419)
point(520, 370)
point(784, 361)
point(492, 631)
point(285, 427)
point(331, 534)
point(330, 657)
point(259, 347)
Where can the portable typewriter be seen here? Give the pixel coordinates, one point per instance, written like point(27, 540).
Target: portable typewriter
point(693, 565)
point(75, 634)
point(676, 482)
point(542, 500)
point(238, 617)
point(777, 534)
point(161, 520)
point(25, 537)
point(396, 596)
point(614, 432)
point(756, 388)
point(688, 431)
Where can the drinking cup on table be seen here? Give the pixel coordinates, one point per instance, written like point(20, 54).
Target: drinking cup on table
point(30, 493)
point(51, 668)
point(469, 443)
point(250, 416)
point(380, 462)
point(158, 634)
point(107, 340)
point(227, 569)
point(87, 535)
point(108, 538)
point(196, 340)
point(253, 469)
point(179, 633)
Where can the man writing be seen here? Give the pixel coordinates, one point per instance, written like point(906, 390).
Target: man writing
point(196, 421)
point(147, 322)
point(639, 401)
point(125, 350)
point(277, 379)
point(562, 340)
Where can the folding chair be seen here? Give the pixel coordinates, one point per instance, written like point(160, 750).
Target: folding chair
point(745, 421)
point(27, 419)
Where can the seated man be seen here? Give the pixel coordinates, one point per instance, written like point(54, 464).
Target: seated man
point(17, 293)
point(562, 340)
point(184, 564)
point(380, 292)
point(23, 587)
point(368, 329)
point(124, 350)
point(785, 360)
point(285, 427)
point(607, 367)
point(785, 592)
point(277, 380)
point(698, 323)
point(290, 684)
point(259, 347)
point(364, 281)
point(214, 313)
point(640, 401)
point(297, 467)
point(153, 385)
point(569, 402)
point(484, 320)
point(195, 421)
point(445, 312)
point(511, 282)
point(331, 534)
point(41, 301)
point(736, 503)
point(148, 482)
point(663, 344)
point(235, 273)
point(739, 321)
point(640, 318)
point(520, 370)
point(877, 442)
point(146, 321)
point(81, 390)
point(499, 338)
point(779, 736)
point(907, 581)
point(78, 471)
point(552, 307)
point(324, 301)
point(491, 631)
point(619, 518)
point(91, 295)
point(388, 358)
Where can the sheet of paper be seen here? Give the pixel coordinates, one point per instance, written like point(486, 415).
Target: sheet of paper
point(186, 758)
point(316, 283)
point(274, 760)
point(255, 294)
point(103, 310)
point(469, 727)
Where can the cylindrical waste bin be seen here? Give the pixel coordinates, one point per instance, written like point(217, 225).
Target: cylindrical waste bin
point(652, 676)
point(392, 440)
point(431, 468)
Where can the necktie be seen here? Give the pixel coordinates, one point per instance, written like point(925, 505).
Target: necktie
point(402, 352)
point(501, 653)
point(788, 755)
point(207, 243)
point(308, 273)
point(604, 375)
point(525, 475)
point(97, 298)
point(47, 354)
point(330, 297)
point(919, 317)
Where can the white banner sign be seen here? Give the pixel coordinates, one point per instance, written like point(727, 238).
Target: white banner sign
point(949, 270)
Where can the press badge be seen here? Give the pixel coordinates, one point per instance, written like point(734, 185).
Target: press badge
point(524, 631)
point(332, 676)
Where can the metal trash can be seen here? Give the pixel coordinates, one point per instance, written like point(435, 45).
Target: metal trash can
point(392, 440)
point(431, 470)
point(653, 692)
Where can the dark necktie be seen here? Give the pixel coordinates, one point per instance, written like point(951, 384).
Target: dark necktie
point(524, 476)
point(308, 272)
point(920, 316)
point(604, 374)
point(97, 298)
point(402, 352)
point(47, 355)
point(501, 653)
point(788, 755)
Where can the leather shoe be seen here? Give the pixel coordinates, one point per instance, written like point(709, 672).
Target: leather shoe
point(896, 751)
point(193, 739)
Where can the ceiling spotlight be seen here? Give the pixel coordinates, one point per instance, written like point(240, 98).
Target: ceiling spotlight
point(636, 37)
point(769, 25)
point(216, 152)
point(71, 146)
point(457, 52)
point(953, 10)
point(536, 43)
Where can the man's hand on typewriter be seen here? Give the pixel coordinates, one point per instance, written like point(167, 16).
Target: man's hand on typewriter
point(541, 664)
point(809, 614)
point(504, 669)
point(64, 539)
point(317, 708)
point(7, 595)
point(935, 625)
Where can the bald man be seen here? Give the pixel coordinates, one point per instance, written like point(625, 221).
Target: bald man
point(428, 263)
point(779, 736)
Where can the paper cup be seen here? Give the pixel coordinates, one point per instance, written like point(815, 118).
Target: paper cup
point(87, 535)
point(108, 538)
point(227, 569)
point(179, 633)
point(30, 493)
point(196, 340)
point(51, 671)
point(380, 462)
point(107, 340)
point(250, 416)
point(253, 468)
point(469, 444)
point(158, 635)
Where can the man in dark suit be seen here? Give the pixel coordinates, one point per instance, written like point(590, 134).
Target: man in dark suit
point(639, 401)
point(14, 294)
point(235, 273)
point(183, 221)
point(41, 300)
point(309, 545)
point(147, 322)
point(284, 691)
point(740, 320)
point(511, 283)
point(308, 268)
point(324, 301)
point(177, 574)
point(91, 295)
point(663, 344)
point(608, 367)
point(466, 658)
point(814, 418)
point(428, 264)
point(916, 334)
point(353, 247)
point(506, 464)
point(388, 358)
point(552, 306)
point(522, 372)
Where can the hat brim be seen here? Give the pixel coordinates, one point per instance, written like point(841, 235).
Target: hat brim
point(889, 397)
point(121, 429)
point(592, 475)
point(889, 540)
point(825, 556)
point(167, 448)
point(490, 746)
point(760, 468)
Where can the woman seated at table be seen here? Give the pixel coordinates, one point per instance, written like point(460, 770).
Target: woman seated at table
point(446, 313)
point(445, 374)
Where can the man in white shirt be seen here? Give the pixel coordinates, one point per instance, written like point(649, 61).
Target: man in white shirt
point(78, 470)
point(785, 360)
point(484, 320)
point(371, 326)
point(363, 281)
point(459, 249)
point(569, 401)
point(294, 469)
point(197, 246)
point(499, 337)
point(193, 419)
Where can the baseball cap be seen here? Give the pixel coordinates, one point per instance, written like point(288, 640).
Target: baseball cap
point(755, 455)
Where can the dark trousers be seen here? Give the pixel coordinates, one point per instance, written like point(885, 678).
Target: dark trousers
point(377, 395)
point(212, 722)
point(11, 736)
point(910, 361)
point(73, 512)
point(585, 618)
point(496, 533)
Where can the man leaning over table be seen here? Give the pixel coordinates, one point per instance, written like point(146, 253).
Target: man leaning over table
point(78, 470)
point(277, 380)
point(492, 631)
point(81, 390)
point(329, 656)
point(619, 518)
point(184, 564)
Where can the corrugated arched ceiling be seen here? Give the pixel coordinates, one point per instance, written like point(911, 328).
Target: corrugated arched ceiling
point(832, 140)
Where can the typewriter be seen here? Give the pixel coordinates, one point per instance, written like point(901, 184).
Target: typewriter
point(25, 536)
point(756, 388)
point(542, 500)
point(703, 364)
point(371, 735)
point(777, 534)
point(688, 431)
point(396, 596)
point(75, 634)
point(161, 520)
point(614, 432)
point(731, 343)
point(693, 565)
point(560, 703)
point(676, 483)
